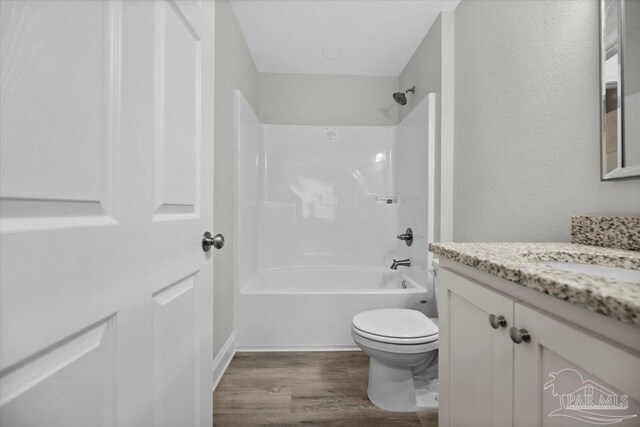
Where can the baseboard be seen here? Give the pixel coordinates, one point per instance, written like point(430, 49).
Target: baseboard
point(223, 358)
point(276, 348)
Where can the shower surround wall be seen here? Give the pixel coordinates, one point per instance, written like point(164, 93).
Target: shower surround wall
point(319, 197)
point(315, 232)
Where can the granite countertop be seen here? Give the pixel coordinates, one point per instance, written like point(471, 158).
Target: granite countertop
point(513, 261)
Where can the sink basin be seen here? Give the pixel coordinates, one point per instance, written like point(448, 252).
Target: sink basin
point(614, 273)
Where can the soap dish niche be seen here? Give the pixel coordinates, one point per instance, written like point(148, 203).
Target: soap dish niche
point(389, 200)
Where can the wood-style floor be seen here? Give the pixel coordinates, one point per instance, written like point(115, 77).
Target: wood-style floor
point(323, 388)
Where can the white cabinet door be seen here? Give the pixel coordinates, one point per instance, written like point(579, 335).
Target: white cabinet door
point(475, 359)
point(106, 154)
point(564, 376)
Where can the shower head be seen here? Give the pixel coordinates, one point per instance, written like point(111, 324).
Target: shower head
point(401, 97)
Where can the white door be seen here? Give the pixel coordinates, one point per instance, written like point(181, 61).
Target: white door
point(475, 360)
point(106, 189)
point(558, 362)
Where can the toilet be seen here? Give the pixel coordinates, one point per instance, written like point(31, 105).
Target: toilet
point(403, 365)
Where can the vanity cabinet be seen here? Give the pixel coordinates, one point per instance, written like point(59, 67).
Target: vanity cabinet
point(498, 351)
point(477, 358)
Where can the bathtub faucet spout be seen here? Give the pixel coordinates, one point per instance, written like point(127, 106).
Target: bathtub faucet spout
point(400, 263)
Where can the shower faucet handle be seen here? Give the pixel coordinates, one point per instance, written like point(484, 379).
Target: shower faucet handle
point(407, 237)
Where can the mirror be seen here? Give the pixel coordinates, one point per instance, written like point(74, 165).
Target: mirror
point(620, 85)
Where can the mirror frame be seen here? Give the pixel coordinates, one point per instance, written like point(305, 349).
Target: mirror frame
point(621, 171)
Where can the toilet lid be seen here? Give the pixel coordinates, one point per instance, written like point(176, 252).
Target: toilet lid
point(395, 323)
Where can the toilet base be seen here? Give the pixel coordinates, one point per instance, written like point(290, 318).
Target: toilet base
point(391, 388)
point(427, 396)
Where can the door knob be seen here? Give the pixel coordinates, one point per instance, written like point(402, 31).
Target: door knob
point(519, 335)
point(216, 241)
point(497, 321)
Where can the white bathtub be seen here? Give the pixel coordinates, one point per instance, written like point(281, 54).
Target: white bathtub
point(311, 308)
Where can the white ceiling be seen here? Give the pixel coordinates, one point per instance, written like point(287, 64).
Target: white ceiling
point(375, 37)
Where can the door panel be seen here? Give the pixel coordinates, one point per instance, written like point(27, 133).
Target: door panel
point(178, 77)
point(555, 346)
point(78, 369)
point(57, 162)
point(474, 390)
point(175, 325)
point(106, 307)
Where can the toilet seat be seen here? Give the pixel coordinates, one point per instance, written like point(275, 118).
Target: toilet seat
point(394, 340)
point(394, 348)
point(395, 326)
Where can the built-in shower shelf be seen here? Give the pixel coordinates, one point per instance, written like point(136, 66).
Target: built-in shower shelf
point(386, 199)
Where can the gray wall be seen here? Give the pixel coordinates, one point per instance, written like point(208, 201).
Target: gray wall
point(424, 68)
point(424, 72)
point(527, 122)
point(234, 70)
point(310, 99)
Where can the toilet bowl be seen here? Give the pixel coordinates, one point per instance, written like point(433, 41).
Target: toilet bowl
point(402, 345)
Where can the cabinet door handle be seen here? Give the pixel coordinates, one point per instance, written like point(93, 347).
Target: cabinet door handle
point(519, 335)
point(497, 321)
